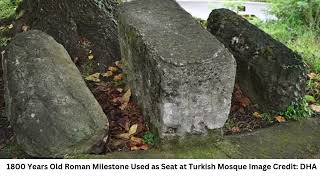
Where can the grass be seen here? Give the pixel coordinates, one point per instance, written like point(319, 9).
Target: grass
point(305, 41)
point(301, 39)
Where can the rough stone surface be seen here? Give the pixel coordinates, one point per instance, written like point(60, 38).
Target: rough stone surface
point(80, 26)
point(182, 75)
point(271, 74)
point(48, 104)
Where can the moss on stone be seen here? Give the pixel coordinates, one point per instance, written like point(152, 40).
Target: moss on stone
point(12, 151)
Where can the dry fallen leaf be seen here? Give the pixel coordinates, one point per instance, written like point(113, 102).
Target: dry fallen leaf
point(107, 74)
point(315, 108)
point(25, 28)
point(312, 76)
point(118, 77)
point(137, 141)
point(113, 69)
point(245, 102)
point(144, 147)
point(90, 57)
point(117, 142)
point(126, 96)
point(120, 90)
point(10, 26)
point(133, 129)
point(94, 77)
point(123, 136)
point(118, 64)
point(134, 148)
point(257, 115)
point(116, 99)
point(125, 99)
point(235, 130)
point(280, 119)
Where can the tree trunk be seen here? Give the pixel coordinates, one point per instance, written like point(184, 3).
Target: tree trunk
point(83, 27)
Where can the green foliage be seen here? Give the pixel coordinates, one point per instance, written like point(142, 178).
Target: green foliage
point(298, 12)
point(313, 89)
point(267, 117)
point(149, 138)
point(4, 42)
point(8, 8)
point(230, 123)
point(298, 111)
point(307, 45)
point(298, 27)
point(301, 39)
point(120, 1)
point(310, 99)
point(234, 5)
point(4, 38)
point(88, 68)
point(202, 22)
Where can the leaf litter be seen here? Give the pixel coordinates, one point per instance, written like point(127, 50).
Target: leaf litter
point(127, 125)
point(244, 115)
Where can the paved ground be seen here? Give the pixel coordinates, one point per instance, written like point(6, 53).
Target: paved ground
point(285, 141)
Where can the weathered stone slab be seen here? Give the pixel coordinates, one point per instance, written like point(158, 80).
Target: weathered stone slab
point(182, 75)
point(80, 26)
point(52, 111)
point(271, 74)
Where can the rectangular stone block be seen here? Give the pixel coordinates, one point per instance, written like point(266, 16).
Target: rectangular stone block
point(182, 76)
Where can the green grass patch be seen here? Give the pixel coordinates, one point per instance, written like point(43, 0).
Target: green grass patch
point(303, 40)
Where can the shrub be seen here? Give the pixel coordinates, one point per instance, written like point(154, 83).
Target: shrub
point(298, 111)
point(149, 138)
point(298, 12)
point(303, 40)
point(8, 8)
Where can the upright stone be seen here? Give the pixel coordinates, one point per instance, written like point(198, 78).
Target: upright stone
point(52, 111)
point(271, 74)
point(81, 26)
point(182, 75)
